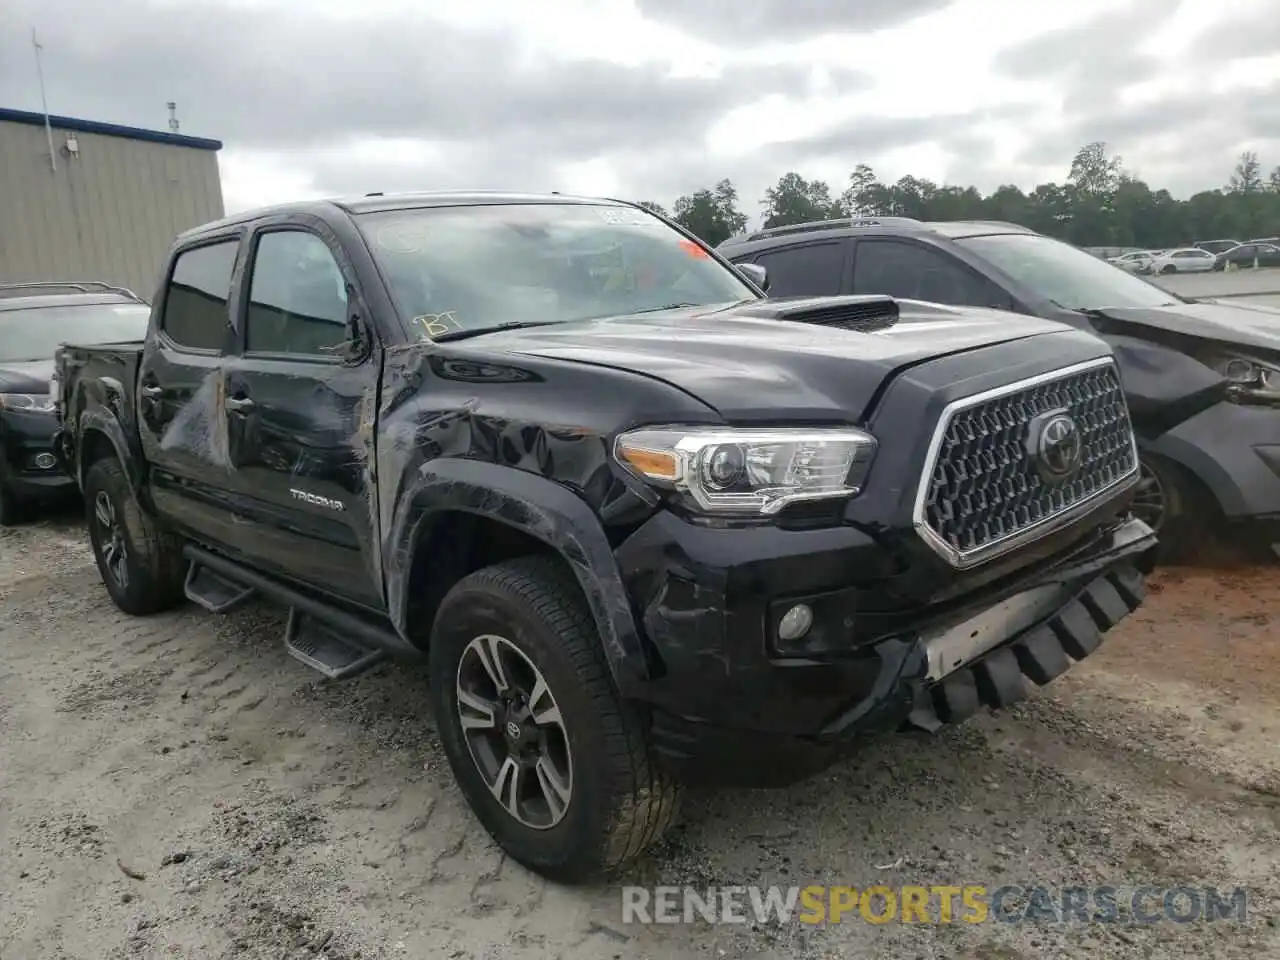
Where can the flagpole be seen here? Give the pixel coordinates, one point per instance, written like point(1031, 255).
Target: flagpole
point(44, 103)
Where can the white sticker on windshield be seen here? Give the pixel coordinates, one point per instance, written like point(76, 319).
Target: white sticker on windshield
point(623, 216)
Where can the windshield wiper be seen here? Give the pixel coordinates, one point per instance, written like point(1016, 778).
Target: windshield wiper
point(477, 331)
point(665, 306)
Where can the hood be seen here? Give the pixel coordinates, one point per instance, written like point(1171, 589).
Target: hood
point(1252, 325)
point(748, 364)
point(27, 376)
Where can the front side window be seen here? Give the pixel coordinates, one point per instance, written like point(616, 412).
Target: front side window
point(297, 297)
point(35, 333)
point(1066, 275)
point(807, 270)
point(195, 303)
point(469, 268)
point(911, 271)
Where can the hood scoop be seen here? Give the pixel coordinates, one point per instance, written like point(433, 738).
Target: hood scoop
point(848, 313)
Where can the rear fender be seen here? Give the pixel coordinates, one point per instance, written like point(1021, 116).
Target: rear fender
point(95, 424)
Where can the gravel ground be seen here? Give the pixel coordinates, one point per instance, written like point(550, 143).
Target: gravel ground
point(179, 787)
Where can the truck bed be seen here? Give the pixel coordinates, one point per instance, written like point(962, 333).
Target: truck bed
point(94, 388)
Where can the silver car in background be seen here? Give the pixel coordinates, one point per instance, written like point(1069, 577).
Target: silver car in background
point(1138, 261)
point(1184, 260)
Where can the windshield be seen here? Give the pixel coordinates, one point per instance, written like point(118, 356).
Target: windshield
point(1066, 275)
point(35, 333)
point(467, 268)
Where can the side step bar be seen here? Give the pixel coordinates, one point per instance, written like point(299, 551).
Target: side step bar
point(336, 643)
point(215, 593)
point(317, 645)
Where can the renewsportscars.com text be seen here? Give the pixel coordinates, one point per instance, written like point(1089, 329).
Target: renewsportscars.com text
point(970, 903)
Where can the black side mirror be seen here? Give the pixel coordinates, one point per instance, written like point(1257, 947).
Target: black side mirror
point(756, 274)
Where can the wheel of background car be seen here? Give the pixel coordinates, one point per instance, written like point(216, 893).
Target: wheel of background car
point(1169, 501)
point(9, 511)
point(554, 765)
point(141, 566)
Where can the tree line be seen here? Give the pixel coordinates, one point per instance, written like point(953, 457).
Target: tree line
point(1100, 204)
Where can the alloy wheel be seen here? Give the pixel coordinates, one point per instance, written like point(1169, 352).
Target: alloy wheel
point(115, 552)
point(1150, 503)
point(515, 732)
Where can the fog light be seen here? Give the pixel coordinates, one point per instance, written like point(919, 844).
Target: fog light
point(44, 461)
point(795, 623)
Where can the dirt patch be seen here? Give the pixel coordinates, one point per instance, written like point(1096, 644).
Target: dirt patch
point(178, 786)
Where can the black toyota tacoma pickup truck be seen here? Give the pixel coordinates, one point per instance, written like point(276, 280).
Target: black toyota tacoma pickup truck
point(646, 526)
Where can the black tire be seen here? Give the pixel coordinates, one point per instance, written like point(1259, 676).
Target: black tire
point(10, 508)
point(1185, 515)
point(1168, 268)
point(620, 801)
point(149, 578)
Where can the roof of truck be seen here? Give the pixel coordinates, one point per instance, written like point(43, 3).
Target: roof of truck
point(857, 226)
point(378, 202)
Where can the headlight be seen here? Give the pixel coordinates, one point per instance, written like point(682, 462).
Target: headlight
point(31, 402)
point(1249, 380)
point(749, 471)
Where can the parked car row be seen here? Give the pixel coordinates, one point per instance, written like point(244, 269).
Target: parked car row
point(645, 525)
point(1203, 257)
point(1202, 380)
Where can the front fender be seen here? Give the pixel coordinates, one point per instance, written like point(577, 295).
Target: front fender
point(536, 506)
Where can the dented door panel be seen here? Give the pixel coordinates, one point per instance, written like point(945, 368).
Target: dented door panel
point(183, 436)
point(300, 451)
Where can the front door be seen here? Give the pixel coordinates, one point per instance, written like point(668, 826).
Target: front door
point(299, 422)
point(180, 411)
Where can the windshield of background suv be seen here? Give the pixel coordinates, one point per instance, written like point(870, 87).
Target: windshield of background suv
point(1065, 274)
point(469, 268)
point(35, 333)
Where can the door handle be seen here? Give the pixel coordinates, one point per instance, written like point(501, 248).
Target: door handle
point(239, 404)
point(152, 391)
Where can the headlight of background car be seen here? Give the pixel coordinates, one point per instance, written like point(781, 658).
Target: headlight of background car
point(30, 402)
point(1250, 380)
point(750, 471)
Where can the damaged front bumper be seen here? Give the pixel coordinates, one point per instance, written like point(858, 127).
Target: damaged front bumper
point(1025, 632)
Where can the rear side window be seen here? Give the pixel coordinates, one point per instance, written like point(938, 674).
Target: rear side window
point(195, 303)
point(913, 272)
point(297, 297)
point(810, 270)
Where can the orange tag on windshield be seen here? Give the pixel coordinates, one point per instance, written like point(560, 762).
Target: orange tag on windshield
point(693, 250)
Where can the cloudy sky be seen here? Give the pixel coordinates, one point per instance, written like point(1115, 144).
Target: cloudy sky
point(648, 99)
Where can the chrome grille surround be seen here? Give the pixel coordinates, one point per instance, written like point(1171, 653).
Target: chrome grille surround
point(981, 494)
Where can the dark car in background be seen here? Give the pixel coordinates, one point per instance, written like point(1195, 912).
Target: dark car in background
point(1216, 246)
point(1202, 379)
point(35, 319)
point(1255, 253)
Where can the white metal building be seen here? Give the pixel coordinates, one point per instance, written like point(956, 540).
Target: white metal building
point(104, 203)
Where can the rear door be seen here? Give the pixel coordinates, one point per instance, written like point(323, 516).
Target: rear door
point(906, 269)
point(299, 419)
point(180, 412)
point(817, 268)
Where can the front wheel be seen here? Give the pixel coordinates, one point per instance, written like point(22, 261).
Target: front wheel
point(141, 565)
point(553, 763)
point(1168, 268)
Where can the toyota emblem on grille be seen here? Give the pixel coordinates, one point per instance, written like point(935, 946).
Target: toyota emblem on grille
point(1059, 446)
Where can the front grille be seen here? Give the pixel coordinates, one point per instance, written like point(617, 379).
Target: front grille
point(988, 485)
